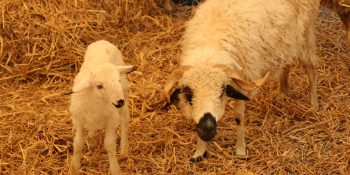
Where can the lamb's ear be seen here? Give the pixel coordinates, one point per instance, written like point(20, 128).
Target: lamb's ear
point(82, 84)
point(174, 77)
point(126, 69)
point(233, 93)
point(238, 80)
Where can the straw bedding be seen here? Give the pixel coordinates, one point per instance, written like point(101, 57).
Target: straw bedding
point(41, 49)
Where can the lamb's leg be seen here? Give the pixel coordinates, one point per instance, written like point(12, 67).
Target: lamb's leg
point(201, 151)
point(241, 149)
point(284, 80)
point(311, 73)
point(78, 146)
point(124, 121)
point(345, 17)
point(110, 146)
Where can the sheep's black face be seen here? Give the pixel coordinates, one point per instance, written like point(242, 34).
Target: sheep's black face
point(206, 128)
point(188, 94)
point(201, 92)
point(185, 91)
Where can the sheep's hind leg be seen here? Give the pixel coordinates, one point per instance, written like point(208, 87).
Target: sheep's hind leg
point(110, 146)
point(201, 151)
point(78, 146)
point(345, 17)
point(284, 80)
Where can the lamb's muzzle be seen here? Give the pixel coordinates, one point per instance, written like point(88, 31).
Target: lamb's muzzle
point(206, 127)
point(119, 104)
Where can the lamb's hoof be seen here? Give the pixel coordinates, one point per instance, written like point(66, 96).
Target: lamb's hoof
point(124, 152)
point(199, 158)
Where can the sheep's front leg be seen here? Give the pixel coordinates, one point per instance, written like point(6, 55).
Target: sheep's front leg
point(311, 73)
point(124, 121)
point(78, 146)
point(240, 144)
point(110, 146)
point(201, 151)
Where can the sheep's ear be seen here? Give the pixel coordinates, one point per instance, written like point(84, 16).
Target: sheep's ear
point(174, 97)
point(82, 84)
point(126, 69)
point(233, 93)
point(248, 86)
point(238, 80)
point(172, 81)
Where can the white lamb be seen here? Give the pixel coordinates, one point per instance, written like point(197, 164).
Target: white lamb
point(229, 48)
point(99, 100)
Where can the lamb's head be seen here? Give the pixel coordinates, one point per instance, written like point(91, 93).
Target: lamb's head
point(105, 82)
point(203, 92)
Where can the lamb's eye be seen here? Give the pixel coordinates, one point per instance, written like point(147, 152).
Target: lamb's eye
point(99, 86)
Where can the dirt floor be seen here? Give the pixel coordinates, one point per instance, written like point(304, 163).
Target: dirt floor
point(41, 49)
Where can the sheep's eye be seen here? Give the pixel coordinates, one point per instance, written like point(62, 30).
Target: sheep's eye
point(99, 86)
point(188, 93)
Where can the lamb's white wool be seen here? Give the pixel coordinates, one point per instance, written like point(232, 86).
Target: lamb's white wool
point(230, 47)
point(99, 92)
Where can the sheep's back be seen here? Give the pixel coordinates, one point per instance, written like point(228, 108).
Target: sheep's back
point(255, 34)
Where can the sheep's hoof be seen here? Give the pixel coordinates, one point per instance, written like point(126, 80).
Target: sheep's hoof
point(199, 158)
point(115, 171)
point(314, 104)
point(242, 155)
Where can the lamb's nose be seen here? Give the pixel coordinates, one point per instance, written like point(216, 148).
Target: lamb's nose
point(120, 103)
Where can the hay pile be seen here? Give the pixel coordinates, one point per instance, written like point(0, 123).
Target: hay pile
point(41, 49)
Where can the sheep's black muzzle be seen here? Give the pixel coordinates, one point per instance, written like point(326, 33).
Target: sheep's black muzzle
point(119, 104)
point(206, 128)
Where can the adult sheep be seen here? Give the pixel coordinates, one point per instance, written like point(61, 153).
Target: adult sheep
point(229, 48)
point(99, 100)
